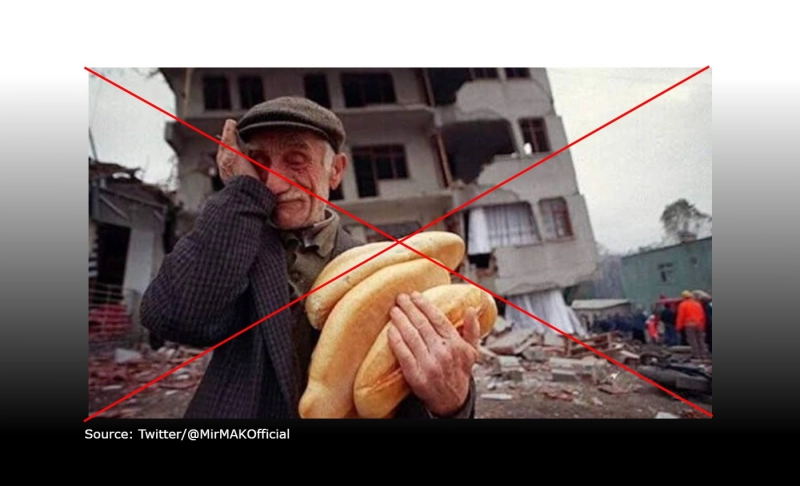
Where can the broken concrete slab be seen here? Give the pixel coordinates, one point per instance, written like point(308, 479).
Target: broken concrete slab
point(587, 367)
point(509, 362)
point(627, 358)
point(553, 339)
point(564, 376)
point(501, 326)
point(513, 343)
point(567, 363)
point(486, 356)
point(536, 354)
point(613, 389)
point(497, 396)
point(513, 375)
point(509, 368)
point(122, 356)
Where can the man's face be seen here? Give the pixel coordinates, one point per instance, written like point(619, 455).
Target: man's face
point(303, 158)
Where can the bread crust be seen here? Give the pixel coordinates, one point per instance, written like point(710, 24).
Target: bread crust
point(445, 247)
point(351, 329)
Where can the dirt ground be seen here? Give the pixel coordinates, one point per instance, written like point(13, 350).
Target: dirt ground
point(621, 395)
point(615, 394)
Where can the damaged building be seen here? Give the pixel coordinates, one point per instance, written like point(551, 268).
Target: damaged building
point(422, 142)
point(130, 231)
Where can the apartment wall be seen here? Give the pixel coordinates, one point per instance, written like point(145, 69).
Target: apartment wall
point(525, 269)
point(691, 270)
point(550, 263)
point(423, 169)
point(509, 99)
point(562, 263)
point(194, 161)
point(289, 82)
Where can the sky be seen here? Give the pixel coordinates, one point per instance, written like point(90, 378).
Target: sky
point(627, 172)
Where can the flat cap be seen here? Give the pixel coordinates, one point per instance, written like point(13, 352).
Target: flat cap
point(292, 111)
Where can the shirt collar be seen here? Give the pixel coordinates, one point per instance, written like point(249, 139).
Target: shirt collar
point(320, 236)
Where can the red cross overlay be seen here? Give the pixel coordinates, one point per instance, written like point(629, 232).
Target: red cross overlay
point(399, 242)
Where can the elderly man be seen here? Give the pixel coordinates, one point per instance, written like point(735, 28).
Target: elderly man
point(258, 245)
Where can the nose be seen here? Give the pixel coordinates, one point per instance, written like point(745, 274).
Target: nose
point(277, 184)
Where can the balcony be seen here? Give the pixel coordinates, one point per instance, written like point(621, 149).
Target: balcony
point(412, 115)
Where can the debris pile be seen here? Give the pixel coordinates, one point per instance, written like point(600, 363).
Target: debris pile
point(125, 371)
point(519, 362)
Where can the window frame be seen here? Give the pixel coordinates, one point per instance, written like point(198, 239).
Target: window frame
point(360, 81)
point(223, 92)
point(258, 86)
point(532, 126)
point(398, 158)
point(551, 212)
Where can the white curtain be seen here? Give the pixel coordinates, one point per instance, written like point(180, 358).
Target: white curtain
point(547, 305)
point(498, 226)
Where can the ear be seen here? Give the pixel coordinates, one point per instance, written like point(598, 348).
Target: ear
point(337, 170)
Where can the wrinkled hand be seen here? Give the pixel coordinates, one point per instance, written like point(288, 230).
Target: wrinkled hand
point(436, 360)
point(231, 164)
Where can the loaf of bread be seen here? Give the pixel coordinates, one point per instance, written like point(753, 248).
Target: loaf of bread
point(447, 248)
point(379, 385)
point(351, 329)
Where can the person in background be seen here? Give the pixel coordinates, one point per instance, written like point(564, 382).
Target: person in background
point(652, 329)
point(692, 319)
point(639, 327)
point(705, 301)
point(668, 318)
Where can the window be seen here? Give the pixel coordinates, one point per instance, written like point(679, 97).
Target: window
point(517, 73)
point(397, 231)
point(367, 89)
point(378, 163)
point(556, 218)
point(483, 73)
point(665, 272)
point(316, 88)
point(500, 226)
point(216, 93)
point(251, 91)
point(535, 135)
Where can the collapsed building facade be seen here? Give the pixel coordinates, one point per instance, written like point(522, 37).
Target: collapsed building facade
point(422, 142)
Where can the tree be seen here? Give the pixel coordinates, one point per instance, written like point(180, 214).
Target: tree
point(682, 217)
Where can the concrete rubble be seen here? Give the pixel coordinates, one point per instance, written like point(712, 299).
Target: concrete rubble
point(126, 370)
point(521, 362)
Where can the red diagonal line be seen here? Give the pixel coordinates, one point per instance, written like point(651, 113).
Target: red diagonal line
point(390, 237)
